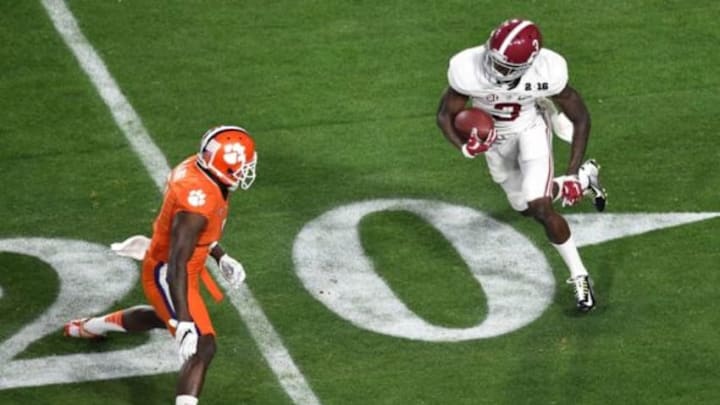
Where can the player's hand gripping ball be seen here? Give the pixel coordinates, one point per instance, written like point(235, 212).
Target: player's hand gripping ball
point(477, 129)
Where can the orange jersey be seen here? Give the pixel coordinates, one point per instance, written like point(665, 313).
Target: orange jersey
point(189, 189)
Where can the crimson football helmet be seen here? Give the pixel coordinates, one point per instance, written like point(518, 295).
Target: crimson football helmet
point(228, 153)
point(511, 49)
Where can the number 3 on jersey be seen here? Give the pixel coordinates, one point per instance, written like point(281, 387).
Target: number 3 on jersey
point(510, 111)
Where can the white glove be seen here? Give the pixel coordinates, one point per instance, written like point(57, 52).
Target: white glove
point(186, 337)
point(232, 271)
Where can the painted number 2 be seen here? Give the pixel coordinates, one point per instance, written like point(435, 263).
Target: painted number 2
point(92, 278)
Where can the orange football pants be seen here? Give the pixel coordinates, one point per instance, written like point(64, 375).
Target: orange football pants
point(158, 294)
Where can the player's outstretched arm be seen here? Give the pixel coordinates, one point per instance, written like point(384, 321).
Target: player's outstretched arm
point(572, 104)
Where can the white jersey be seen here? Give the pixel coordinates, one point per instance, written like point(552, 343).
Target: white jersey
point(514, 109)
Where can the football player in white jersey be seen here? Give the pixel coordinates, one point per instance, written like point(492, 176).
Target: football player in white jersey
point(512, 77)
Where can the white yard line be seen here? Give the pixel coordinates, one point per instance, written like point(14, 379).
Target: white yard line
point(125, 116)
point(154, 161)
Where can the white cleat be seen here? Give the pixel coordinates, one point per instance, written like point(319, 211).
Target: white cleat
point(583, 293)
point(589, 174)
point(76, 329)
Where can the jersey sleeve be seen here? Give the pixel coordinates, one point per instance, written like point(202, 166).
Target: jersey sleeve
point(555, 71)
point(462, 70)
point(193, 197)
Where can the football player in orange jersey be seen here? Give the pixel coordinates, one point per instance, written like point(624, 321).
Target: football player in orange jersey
point(185, 232)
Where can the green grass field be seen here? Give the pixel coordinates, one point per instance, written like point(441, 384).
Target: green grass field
point(341, 99)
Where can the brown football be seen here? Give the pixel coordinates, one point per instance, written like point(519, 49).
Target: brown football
point(471, 118)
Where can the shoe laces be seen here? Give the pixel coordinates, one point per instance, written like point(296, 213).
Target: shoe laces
point(581, 286)
point(589, 171)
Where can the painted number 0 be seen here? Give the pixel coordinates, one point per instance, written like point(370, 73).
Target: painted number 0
point(328, 257)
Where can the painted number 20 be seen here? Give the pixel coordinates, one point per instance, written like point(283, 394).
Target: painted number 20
point(328, 257)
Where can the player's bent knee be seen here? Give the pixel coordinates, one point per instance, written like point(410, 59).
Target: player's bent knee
point(206, 348)
point(540, 209)
point(517, 202)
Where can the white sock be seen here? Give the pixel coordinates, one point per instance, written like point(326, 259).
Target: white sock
point(569, 253)
point(186, 400)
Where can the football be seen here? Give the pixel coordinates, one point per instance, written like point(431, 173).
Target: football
point(470, 118)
